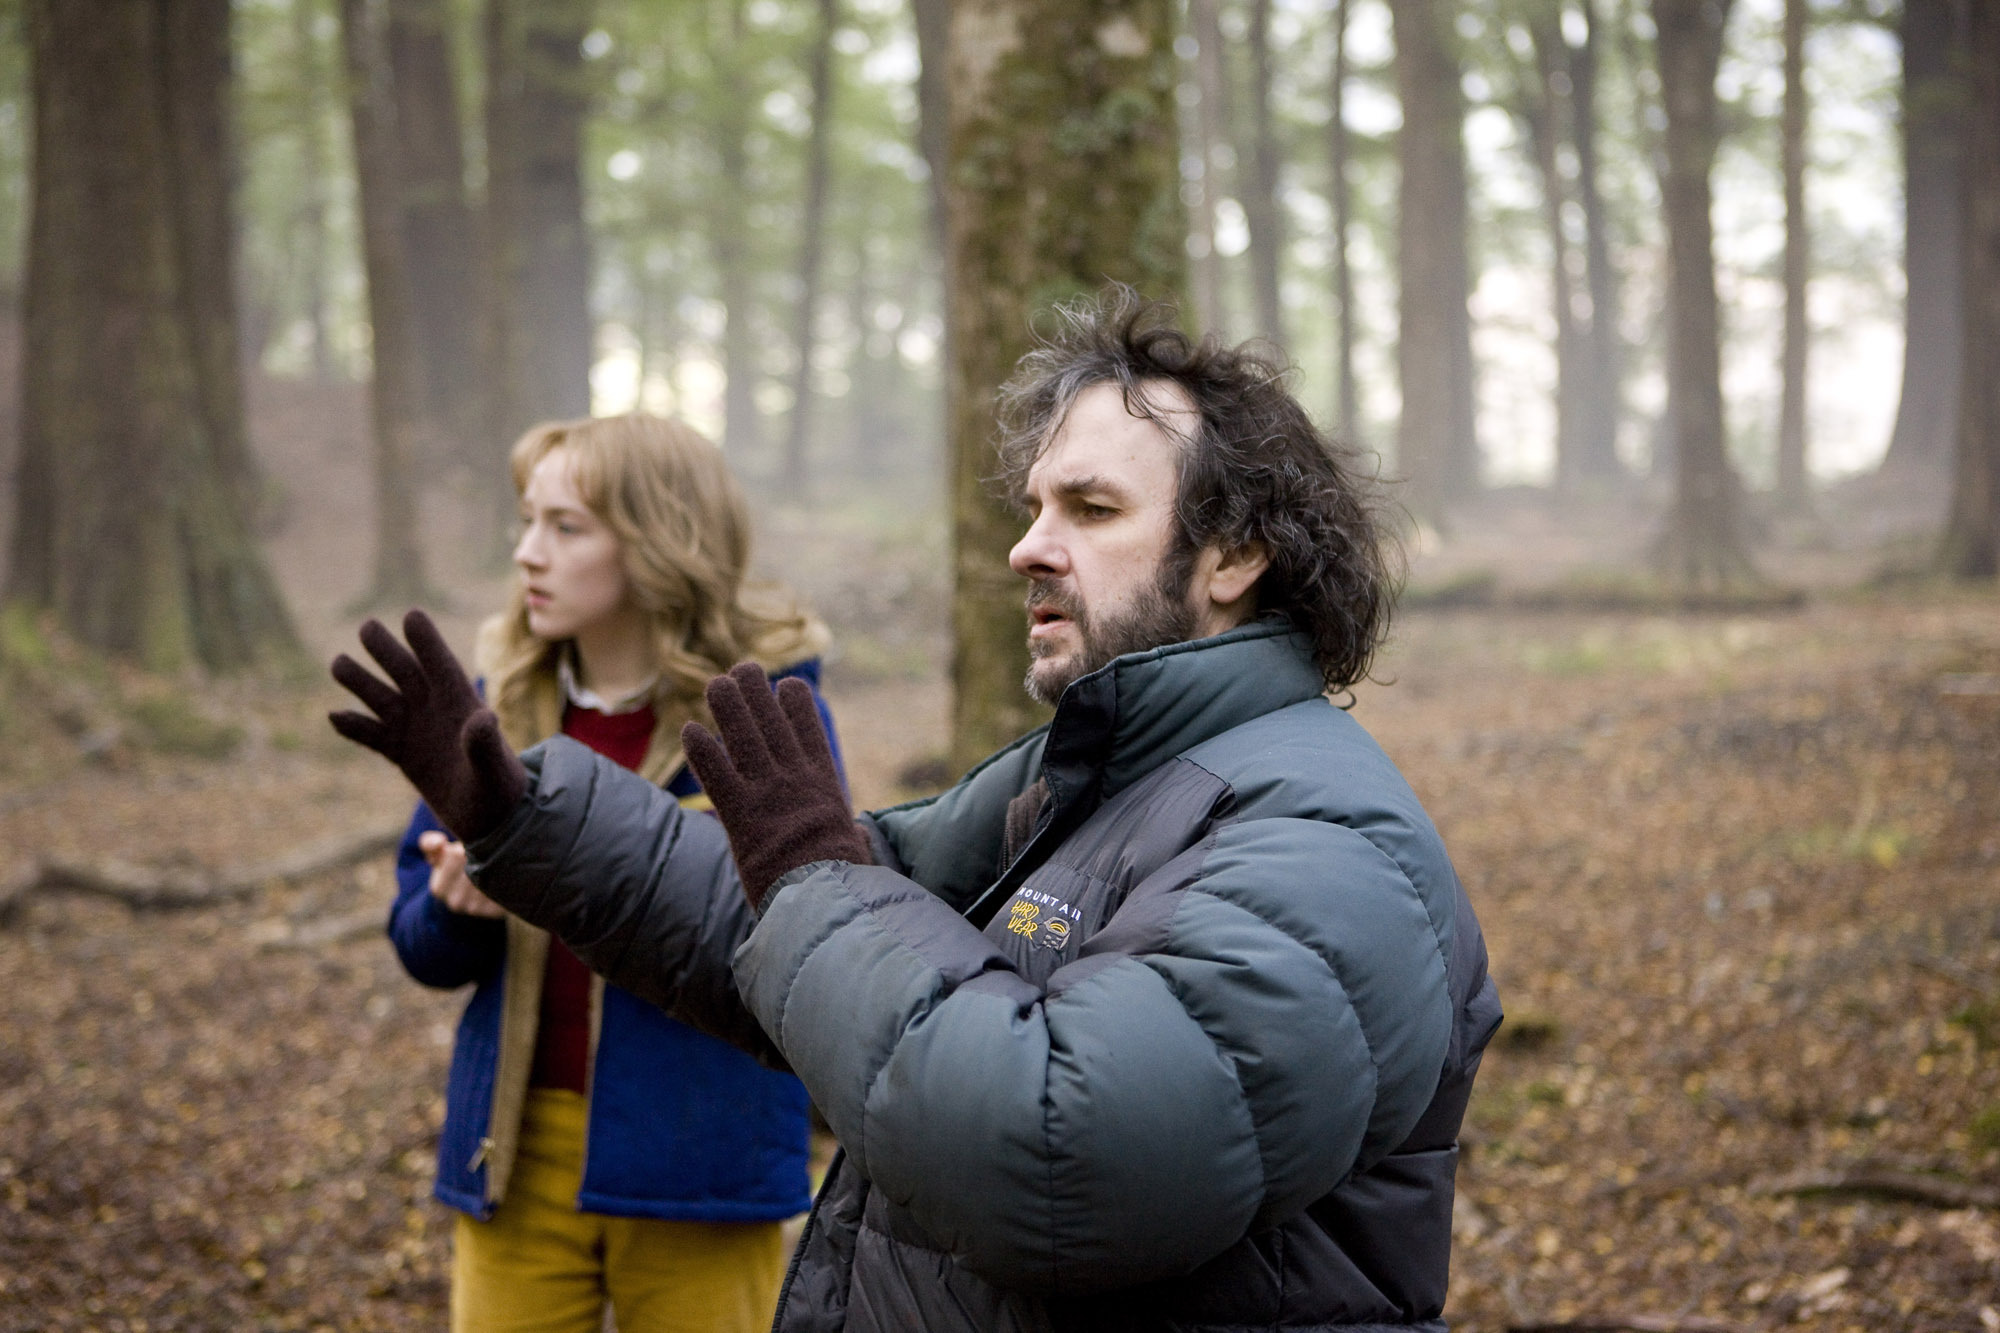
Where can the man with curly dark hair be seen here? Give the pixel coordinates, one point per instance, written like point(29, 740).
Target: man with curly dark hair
point(1166, 1015)
point(1252, 473)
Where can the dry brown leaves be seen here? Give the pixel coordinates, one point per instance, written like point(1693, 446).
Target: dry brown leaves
point(1738, 878)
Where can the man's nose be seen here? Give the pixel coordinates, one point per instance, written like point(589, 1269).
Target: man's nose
point(1038, 553)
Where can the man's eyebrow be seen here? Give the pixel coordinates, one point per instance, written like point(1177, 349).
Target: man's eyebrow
point(1089, 483)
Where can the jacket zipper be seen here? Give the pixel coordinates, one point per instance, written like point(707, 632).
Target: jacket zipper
point(805, 1235)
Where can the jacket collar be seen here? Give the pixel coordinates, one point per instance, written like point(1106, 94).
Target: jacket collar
point(1120, 722)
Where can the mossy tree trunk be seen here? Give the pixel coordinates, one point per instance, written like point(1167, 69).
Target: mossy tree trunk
point(1064, 173)
point(1972, 535)
point(135, 483)
point(1437, 448)
point(1703, 545)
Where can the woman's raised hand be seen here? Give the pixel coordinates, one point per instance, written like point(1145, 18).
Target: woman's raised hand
point(449, 884)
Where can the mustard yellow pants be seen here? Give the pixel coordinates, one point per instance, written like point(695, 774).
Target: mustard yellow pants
point(540, 1266)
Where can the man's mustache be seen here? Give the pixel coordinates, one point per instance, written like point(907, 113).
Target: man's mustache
point(1047, 594)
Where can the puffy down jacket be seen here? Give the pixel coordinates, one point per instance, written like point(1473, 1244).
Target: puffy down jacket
point(1195, 1059)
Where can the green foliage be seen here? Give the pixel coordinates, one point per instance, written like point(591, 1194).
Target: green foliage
point(1472, 587)
point(1984, 1131)
point(1546, 1093)
point(1981, 1018)
point(675, 84)
point(172, 724)
point(23, 642)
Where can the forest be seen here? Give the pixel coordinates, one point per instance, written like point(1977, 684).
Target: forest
point(1673, 329)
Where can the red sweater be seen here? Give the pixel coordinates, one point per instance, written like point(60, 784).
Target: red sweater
point(562, 1036)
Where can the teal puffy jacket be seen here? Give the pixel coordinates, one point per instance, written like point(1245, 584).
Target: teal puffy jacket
point(1195, 1059)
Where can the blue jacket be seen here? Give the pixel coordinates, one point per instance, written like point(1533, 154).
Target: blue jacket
point(681, 1126)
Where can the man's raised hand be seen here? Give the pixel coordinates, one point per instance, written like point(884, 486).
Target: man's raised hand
point(771, 776)
point(431, 724)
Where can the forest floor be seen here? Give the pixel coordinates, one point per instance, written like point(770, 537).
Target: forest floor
point(1739, 875)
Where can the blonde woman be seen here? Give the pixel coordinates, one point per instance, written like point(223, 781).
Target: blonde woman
point(598, 1151)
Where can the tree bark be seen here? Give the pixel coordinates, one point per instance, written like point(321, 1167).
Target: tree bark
point(1935, 94)
point(797, 478)
point(933, 23)
point(537, 249)
point(396, 390)
point(1437, 449)
point(134, 480)
point(1260, 199)
point(1349, 412)
point(1064, 173)
point(437, 227)
point(1792, 497)
point(1599, 397)
point(742, 427)
point(1703, 545)
point(1972, 534)
point(1211, 129)
point(1542, 105)
point(313, 198)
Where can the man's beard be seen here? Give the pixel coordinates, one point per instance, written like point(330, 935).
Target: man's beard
point(1158, 616)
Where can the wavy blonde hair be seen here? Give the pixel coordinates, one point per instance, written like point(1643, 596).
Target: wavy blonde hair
point(683, 533)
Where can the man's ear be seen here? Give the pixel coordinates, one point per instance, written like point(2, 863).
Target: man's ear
point(1236, 573)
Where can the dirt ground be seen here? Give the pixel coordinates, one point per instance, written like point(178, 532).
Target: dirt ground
point(1738, 875)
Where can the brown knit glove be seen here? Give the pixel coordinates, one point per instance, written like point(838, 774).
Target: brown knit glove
point(772, 778)
point(432, 725)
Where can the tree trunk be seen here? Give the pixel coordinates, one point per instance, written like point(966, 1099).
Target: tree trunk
point(742, 428)
point(1349, 414)
point(537, 249)
point(437, 226)
point(1703, 545)
point(1934, 108)
point(1792, 497)
point(1260, 199)
point(1211, 130)
point(1598, 396)
point(797, 480)
point(1064, 173)
point(1972, 534)
point(1437, 450)
point(1542, 105)
point(397, 389)
point(933, 23)
point(134, 480)
point(313, 197)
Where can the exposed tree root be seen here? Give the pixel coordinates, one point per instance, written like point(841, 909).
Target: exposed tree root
point(146, 888)
point(1885, 1182)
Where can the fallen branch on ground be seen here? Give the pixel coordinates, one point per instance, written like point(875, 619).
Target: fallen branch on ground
point(145, 888)
point(317, 932)
point(1632, 1323)
point(1887, 1182)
